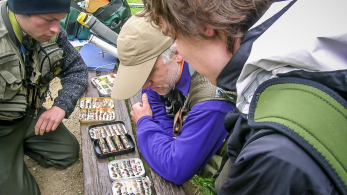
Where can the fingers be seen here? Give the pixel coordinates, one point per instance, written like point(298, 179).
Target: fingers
point(49, 126)
point(132, 113)
point(45, 124)
point(136, 106)
point(141, 109)
point(54, 127)
point(49, 120)
point(133, 116)
point(145, 103)
point(38, 126)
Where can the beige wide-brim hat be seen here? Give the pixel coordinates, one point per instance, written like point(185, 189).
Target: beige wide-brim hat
point(139, 45)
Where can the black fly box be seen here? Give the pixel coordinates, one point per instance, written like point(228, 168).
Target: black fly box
point(111, 139)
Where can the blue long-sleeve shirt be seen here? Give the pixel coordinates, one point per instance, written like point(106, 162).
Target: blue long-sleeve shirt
point(178, 160)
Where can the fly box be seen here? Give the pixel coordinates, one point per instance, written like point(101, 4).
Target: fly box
point(94, 115)
point(126, 169)
point(140, 185)
point(104, 84)
point(96, 102)
point(111, 139)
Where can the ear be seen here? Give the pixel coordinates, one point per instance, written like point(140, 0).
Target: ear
point(178, 57)
point(209, 31)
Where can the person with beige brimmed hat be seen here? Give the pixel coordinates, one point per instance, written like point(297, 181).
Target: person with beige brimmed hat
point(180, 119)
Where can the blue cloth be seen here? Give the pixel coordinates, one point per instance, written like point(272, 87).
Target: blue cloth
point(184, 83)
point(178, 160)
point(97, 61)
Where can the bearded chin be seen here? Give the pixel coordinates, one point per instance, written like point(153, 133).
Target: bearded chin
point(164, 92)
point(170, 83)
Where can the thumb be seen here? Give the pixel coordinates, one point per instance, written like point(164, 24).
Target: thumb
point(145, 100)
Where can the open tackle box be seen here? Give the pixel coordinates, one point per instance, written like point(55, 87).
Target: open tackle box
point(93, 115)
point(96, 102)
point(96, 109)
point(129, 177)
point(111, 139)
point(140, 185)
point(104, 84)
point(126, 169)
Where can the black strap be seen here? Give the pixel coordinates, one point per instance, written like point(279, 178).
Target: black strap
point(104, 12)
point(9, 25)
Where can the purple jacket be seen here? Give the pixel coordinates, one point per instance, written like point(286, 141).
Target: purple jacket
point(178, 160)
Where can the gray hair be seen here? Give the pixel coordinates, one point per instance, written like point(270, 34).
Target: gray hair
point(166, 56)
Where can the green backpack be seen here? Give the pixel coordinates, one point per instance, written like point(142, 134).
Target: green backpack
point(312, 115)
point(113, 15)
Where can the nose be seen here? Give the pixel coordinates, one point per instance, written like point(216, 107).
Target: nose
point(55, 27)
point(147, 84)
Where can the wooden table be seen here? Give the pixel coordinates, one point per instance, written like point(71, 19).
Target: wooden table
point(95, 172)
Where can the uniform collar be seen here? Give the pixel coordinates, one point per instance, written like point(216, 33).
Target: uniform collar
point(184, 82)
point(16, 28)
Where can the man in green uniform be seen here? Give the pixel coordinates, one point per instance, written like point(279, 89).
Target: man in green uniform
point(34, 50)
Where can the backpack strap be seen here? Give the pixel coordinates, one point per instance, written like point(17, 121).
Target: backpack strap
point(104, 12)
point(312, 115)
point(8, 25)
point(201, 89)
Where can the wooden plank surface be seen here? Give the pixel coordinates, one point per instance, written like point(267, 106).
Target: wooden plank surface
point(161, 185)
point(96, 178)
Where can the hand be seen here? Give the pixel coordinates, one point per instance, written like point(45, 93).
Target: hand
point(141, 109)
point(49, 120)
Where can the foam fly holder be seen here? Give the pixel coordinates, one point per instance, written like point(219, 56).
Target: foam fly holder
point(126, 169)
point(96, 102)
point(139, 185)
point(97, 115)
point(96, 140)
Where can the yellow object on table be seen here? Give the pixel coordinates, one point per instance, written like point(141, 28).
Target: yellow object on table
point(93, 5)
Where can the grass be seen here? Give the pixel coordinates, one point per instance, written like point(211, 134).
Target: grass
point(135, 9)
point(203, 186)
point(134, 1)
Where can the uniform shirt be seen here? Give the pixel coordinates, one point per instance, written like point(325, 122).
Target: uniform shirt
point(178, 160)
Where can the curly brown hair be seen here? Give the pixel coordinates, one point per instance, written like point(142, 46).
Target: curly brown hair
point(190, 18)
